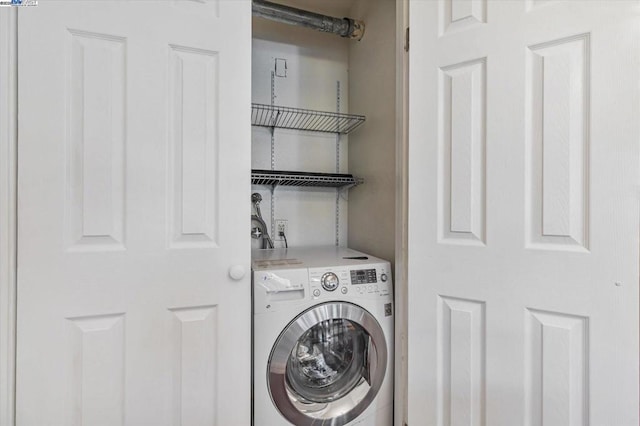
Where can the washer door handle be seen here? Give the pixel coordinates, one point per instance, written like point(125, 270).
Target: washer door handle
point(370, 361)
point(237, 272)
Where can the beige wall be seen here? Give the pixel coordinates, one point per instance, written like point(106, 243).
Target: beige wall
point(372, 92)
point(315, 63)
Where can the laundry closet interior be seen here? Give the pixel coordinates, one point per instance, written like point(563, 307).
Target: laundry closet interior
point(303, 69)
point(324, 174)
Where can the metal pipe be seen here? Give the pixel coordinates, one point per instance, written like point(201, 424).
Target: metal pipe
point(344, 27)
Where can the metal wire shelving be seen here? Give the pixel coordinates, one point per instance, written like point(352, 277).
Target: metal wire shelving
point(304, 119)
point(305, 179)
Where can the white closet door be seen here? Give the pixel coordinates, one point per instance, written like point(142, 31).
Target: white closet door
point(134, 161)
point(523, 213)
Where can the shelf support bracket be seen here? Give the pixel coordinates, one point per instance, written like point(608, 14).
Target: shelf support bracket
point(338, 165)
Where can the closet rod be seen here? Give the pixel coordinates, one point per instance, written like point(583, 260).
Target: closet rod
point(344, 27)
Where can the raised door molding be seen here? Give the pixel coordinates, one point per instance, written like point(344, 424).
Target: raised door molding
point(8, 189)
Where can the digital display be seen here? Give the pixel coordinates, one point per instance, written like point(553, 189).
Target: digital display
point(363, 276)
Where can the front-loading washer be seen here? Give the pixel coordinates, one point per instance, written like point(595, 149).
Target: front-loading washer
point(322, 338)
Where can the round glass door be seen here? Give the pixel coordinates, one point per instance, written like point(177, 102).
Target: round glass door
point(327, 365)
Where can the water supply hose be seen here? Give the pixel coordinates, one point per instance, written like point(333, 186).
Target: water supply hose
point(266, 239)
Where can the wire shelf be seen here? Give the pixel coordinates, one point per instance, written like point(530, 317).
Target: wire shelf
point(287, 178)
point(304, 119)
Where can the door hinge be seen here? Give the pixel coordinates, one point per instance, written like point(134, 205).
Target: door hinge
point(406, 40)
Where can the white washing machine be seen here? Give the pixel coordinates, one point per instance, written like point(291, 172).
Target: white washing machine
point(322, 338)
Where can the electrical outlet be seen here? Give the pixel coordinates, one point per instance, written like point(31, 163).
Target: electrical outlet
point(281, 226)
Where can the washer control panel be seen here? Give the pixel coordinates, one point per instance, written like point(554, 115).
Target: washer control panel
point(368, 280)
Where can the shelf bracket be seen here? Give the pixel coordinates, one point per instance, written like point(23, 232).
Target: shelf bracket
point(337, 224)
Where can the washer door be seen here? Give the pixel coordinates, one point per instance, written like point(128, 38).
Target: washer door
point(328, 365)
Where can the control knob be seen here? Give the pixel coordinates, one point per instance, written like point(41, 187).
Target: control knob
point(329, 281)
